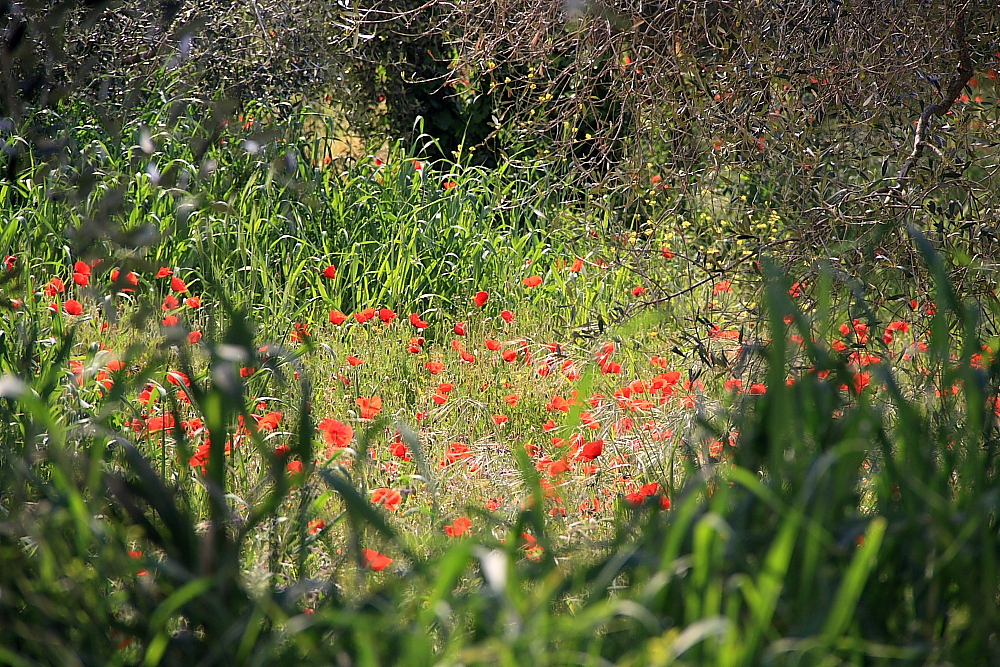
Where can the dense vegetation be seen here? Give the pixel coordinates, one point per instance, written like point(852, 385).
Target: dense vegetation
point(265, 402)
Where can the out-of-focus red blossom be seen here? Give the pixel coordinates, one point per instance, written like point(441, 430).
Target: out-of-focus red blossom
point(171, 321)
point(164, 272)
point(460, 328)
point(54, 287)
point(757, 389)
point(294, 467)
point(170, 302)
point(434, 367)
point(509, 356)
point(337, 317)
point(666, 252)
point(417, 322)
point(577, 265)
point(467, 357)
point(81, 273)
point(456, 452)
point(193, 302)
point(177, 378)
point(481, 298)
point(9, 262)
point(734, 385)
point(532, 281)
point(329, 272)
point(592, 450)
point(387, 315)
point(247, 371)
point(492, 345)
point(639, 290)
point(355, 361)
point(448, 185)
point(73, 307)
point(370, 407)
point(178, 285)
point(316, 525)
point(722, 286)
point(335, 433)
point(507, 316)
point(390, 498)
point(364, 315)
point(194, 337)
point(500, 420)
point(129, 279)
point(458, 527)
point(375, 561)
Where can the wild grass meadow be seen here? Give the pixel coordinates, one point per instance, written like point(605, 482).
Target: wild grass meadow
point(262, 404)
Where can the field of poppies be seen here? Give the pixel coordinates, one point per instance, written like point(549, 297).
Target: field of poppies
point(400, 412)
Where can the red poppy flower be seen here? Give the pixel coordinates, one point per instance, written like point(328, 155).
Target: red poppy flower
point(336, 433)
point(512, 399)
point(178, 285)
point(390, 498)
point(417, 322)
point(375, 561)
point(337, 317)
point(445, 387)
point(458, 527)
point(592, 450)
point(757, 389)
point(55, 286)
point(355, 361)
point(507, 316)
point(722, 286)
point(460, 328)
point(73, 307)
point(178, 379)
point(171, 321)
point(509, 356)
point(456, 452)
point(364, 315)
point(500, 420)
point(493, 345)
point(170, 302)
point(639, 290)
point(440, 399)
point(481, 298)
point(330, 272)
point(448, 185)
point(557, 403)
point(193, 302)
point(194, 337)
point(467, 357)
point(316, 526)
point(370, 407)
point(81, 273)
point(559, 467)
point(294, 467)
point(734, 385)
point(532, 281)
point(163, 272)
point(434, 367)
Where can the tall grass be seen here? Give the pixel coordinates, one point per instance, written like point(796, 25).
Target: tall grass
point(836, 529)
point(245, 205)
